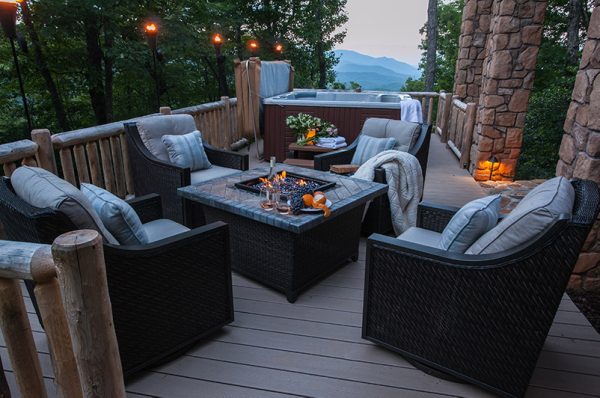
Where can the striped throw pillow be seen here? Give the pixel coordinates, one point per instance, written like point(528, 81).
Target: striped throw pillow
point(370, 146)
point(187, 150)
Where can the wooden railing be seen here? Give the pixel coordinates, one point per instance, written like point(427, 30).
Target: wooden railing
point(78, 321)
point(99, 154)
point(427, 103)
point(218, 121)
point(443, 114)
point(459, 126)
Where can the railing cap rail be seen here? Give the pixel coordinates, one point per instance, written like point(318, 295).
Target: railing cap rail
point(22, 260)
point(13, 151)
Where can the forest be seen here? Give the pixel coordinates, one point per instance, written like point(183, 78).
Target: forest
point(87, 62)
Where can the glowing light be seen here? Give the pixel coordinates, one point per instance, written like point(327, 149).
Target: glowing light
point(253, 45)
point(151, 28)
point(217, 39)
point(278, 48)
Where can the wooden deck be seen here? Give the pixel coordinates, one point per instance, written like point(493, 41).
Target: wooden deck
point(313, 347)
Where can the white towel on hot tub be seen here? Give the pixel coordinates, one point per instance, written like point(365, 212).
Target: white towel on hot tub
point(410, 111)
point(332, 142)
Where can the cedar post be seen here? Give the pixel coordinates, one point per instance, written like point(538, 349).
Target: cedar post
point(49, 300)
point(227, 139)
point(45, 153)
point(79, 257)
point(165, 110)
point(19, 340)
point(446, 116)
point(465, 150)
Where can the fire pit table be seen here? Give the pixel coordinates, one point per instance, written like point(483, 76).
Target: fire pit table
point(288, 253)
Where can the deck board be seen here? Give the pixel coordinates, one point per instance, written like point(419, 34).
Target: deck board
point(314, 347)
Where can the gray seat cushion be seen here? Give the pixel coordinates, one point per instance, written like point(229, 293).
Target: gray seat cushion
point(469, 223)
point(534, 214)
point(405, 133)
point(212, 173)
point(421, 236)
point(152, 129)
point(187, 150)
point(117, 215)
point(370, 146)
point(162, 229)
point(42, 189)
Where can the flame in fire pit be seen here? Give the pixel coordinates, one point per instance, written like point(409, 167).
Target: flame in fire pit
point(301, 182)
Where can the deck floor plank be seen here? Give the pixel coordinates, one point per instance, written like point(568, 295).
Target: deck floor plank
point(314, 347)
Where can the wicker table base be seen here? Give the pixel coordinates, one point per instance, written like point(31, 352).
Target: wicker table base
point(286, 261)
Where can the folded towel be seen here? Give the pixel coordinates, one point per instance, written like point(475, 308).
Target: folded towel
point(411, 111)
point(334, 140)
point(332, 146)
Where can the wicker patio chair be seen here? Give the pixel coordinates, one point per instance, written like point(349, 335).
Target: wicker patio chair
point(479, 318)
point(378, 218)
point(165, 295)
point(154, 175)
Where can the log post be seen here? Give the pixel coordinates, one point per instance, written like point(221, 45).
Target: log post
point(469, 128)
point(19, 340)
point(45, 155)
point(446, 116)
point(165, 110)
point(228, 136)
point(79, 257)
point(49, 300)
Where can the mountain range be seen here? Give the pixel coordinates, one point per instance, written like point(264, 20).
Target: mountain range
point(373, 73)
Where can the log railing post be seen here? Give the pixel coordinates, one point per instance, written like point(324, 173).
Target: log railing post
point(469, 127)
point(19, 340)
point(227, 136)
point(446, 117)
point(45, 155)
point(165, 110)
point(79, 257)
point(49, 300)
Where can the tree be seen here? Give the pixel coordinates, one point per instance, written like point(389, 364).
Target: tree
point(432, 38)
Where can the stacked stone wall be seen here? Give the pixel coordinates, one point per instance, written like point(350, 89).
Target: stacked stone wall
point(476, 20)
point(580, 147)
point(507, 79)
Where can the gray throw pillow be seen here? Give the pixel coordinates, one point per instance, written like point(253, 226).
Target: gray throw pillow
point(532, 216)
point(117, 215)
point(370, 146)
point(42, 189)
point(187, 150)
point(468, 224)
point(151, 130)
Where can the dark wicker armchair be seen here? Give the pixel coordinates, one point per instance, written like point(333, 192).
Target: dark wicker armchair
point(378, 218)
point(482, 319)
point(165, 295)
point(153, 175)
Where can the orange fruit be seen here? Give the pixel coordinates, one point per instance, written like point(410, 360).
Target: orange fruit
point(320, 198)
point(308, 200)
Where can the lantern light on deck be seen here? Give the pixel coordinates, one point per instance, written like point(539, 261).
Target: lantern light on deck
point(493, 160)
point(217, 40)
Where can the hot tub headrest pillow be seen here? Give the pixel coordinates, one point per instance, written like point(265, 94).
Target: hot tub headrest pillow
point(152, 129)
point(42, 189)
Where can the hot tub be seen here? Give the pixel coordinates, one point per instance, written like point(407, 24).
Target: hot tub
point(346, 109)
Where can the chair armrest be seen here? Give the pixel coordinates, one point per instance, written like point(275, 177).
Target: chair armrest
point(229, 159)
point(147, 207)
point(434, 217)
point(324, 161)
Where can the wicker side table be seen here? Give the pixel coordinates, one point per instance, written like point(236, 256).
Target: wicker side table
point(308, 151)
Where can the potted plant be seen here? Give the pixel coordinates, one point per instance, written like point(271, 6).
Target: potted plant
point(308, 129)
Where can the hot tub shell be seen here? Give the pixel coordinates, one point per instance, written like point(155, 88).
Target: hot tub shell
point(347, 110)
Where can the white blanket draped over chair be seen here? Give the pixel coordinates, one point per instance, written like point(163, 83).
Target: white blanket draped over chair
point(405, 181)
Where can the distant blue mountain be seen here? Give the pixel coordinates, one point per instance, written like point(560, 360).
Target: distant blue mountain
point(373, 73)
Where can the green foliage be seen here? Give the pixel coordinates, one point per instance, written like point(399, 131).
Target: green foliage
point(187, 69)
point(543, 132)
point(449, 22)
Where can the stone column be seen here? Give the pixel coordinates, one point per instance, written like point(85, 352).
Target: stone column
point(508, 75)
point(580, 147)
point(474, 31)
